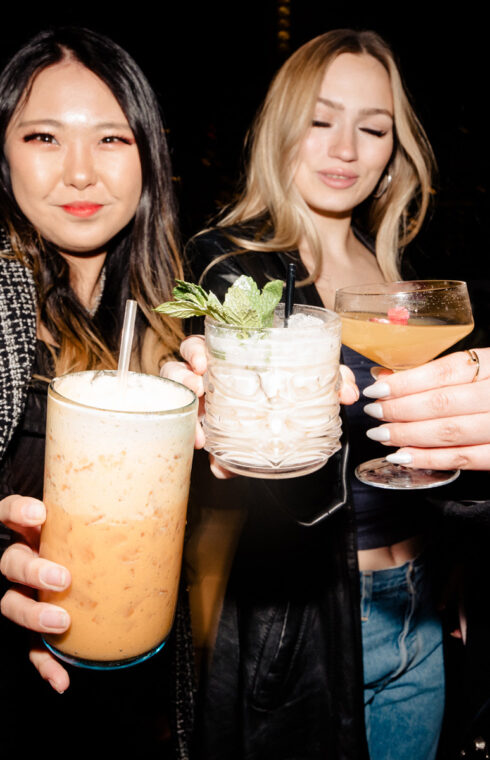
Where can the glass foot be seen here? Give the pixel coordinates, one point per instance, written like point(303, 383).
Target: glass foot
point(383, 474)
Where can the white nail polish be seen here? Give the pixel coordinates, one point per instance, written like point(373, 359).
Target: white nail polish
point(374, 410)
point(399, 458)
point(380, 434)
point(377, 390)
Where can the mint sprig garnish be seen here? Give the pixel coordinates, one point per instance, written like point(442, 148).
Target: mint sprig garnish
point(244, 305)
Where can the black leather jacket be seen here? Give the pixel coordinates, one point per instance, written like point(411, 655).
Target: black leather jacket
point(285, 681)
point(286, 675)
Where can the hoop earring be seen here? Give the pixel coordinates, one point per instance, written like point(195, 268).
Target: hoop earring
point(383, 185)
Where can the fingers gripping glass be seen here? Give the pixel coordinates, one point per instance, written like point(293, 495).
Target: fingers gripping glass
point(400, 325)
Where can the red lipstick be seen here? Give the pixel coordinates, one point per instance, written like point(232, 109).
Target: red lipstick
point(81, 208)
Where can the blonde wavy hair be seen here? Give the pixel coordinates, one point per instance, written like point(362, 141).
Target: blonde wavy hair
point(393, 219)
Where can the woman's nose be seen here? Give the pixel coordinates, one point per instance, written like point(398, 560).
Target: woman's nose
point(79, 167)
point(343, 145)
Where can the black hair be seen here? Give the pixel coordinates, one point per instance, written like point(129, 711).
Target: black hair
point(142, 260)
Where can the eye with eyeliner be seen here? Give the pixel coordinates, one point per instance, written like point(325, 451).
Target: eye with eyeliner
point(114, 139)
point(42, 137)
point(320, 123)
point(374, 132)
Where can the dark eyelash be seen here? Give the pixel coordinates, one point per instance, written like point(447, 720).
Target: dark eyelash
point(35, 135)
point(125, 140)
point(375, 132)
point(318, 123)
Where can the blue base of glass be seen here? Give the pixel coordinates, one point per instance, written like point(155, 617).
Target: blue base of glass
point(103, 664)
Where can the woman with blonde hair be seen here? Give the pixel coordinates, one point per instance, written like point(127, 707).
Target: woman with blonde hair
point(339, 181)
point(398, 203)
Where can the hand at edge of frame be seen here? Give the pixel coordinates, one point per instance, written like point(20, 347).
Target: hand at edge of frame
point(22, 565)
point(438, 413)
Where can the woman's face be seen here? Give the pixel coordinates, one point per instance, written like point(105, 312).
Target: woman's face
point(74, 164)
point(350, 141)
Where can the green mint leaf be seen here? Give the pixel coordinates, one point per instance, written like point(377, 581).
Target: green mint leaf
point(187, 291)
point(180, 309)
point(244, 305)
point(271, 295)
point(243, 318)
point(242, 301)
point(215, 308)
point(192, 301)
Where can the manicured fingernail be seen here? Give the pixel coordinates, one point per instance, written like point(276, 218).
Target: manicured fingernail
point(54, 619)
point(374, 372)
point(374, 410)
point(33, 512)
point(53, 577)
point(399, 458)
point(379, 434)
point(352, 391)
point(377, 390)
point(55, 686)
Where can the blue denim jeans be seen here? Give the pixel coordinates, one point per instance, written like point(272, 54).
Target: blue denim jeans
point(403, 663)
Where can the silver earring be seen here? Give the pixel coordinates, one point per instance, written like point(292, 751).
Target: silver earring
point(383, 185)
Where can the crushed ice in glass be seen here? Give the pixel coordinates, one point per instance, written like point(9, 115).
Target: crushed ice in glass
point(299, 321)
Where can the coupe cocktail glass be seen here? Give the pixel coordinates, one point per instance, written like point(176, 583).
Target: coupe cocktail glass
point(401, 325)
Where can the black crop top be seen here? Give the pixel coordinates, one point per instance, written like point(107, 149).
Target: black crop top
point(383, 517)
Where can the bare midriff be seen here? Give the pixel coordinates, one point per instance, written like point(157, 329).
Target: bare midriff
point(394, 555)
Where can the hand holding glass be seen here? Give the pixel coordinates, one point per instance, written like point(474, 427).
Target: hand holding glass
point(401, 325)
point(117, 470)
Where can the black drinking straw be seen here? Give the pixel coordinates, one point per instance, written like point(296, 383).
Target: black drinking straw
point(291, 277)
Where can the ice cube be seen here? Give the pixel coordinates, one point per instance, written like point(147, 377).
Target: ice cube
point(274, 382)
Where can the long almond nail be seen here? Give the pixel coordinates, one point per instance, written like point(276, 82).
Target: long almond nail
point(399, 458)
point(374, 410)
point(377, 390)
point(380, 434)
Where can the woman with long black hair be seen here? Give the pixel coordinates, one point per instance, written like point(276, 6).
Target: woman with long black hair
point(87, 219)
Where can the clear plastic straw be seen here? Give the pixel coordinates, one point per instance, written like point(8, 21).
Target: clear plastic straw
point(126, 342)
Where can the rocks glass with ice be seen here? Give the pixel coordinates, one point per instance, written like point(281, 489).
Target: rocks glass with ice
point(272, 407)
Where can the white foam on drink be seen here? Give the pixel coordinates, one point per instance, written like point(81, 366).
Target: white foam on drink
point(143, 393)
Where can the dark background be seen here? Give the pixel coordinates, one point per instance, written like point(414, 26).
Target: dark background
point(211, 62)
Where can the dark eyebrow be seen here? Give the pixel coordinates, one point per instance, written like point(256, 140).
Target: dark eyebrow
point(363, 111)
point(55, 123)
point(32, 122)
point(113, 125)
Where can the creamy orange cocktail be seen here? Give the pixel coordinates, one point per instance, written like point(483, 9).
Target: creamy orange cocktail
point(116, 486)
